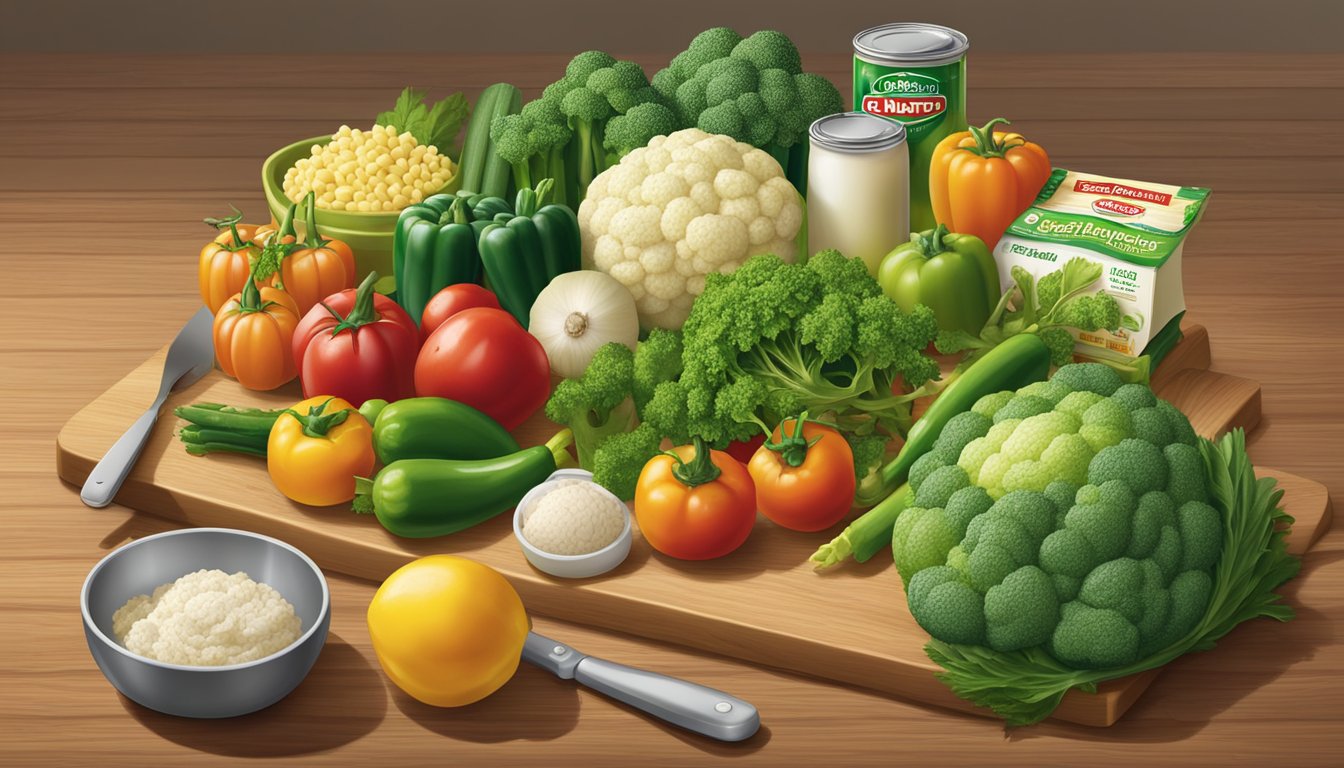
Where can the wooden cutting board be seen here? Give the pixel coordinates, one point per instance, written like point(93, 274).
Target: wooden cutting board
point(763, 604)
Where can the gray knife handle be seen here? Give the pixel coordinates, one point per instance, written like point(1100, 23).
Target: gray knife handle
point(694, 707)
point(111, 472)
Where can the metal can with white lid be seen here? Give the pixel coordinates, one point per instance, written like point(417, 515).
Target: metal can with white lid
point(914, 74)
point(858, 186)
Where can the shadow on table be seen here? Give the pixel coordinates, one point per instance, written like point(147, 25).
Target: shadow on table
point(1193, 690)
point(341, 700)
point(533, 706)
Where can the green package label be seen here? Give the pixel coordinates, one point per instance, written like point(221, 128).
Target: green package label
point(929, 101)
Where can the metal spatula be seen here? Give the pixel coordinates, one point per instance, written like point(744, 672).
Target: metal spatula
point(190, 357)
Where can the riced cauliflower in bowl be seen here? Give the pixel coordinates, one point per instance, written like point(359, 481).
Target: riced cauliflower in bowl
point(206, 644)
point(207, 619)
point(571, 527)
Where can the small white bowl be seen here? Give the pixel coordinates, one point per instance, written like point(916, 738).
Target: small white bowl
point(571, 566)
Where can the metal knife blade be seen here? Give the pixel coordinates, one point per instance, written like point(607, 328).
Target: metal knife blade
point(694, 707)
point(190, 356)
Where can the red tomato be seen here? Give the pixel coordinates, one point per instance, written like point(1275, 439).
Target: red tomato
point(357, 345)
point(804, 487)
point(484, 358)
point(452, 300)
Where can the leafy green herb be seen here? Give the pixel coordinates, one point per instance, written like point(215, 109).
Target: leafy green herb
point(435, 125)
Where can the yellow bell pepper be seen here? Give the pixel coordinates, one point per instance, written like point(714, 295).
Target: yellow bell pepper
point(317, 448)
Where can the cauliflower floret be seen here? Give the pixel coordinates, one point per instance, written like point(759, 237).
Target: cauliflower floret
point(637, 226)
point(730, 184)
point(717, 239)
point(746, 210)
point(687, 205)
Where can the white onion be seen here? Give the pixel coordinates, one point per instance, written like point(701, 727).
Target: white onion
point(577, 313)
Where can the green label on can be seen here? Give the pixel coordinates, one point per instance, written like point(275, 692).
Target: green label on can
point(930, 101)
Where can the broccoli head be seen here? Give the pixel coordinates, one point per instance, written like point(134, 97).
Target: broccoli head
point(1071, 517)
point(772, 339)
point(751, 89)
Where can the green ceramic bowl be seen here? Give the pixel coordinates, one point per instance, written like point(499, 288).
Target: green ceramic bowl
point(369, 235)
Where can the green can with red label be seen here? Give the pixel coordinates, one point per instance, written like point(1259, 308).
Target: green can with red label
point(914, 74)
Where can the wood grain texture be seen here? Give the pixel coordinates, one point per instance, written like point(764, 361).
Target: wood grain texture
point(1270, 693)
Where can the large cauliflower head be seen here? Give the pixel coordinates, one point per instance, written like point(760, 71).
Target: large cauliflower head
point(680, 208)
point(1072, 515)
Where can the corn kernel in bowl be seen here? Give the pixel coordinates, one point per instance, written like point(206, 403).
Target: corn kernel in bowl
point(369, 171)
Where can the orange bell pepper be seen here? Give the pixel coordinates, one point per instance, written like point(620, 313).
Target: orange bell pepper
point(310, 270)
point(254, 336)
point(981, 179)
point(226, 260)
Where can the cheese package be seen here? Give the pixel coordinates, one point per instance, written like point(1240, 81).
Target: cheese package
point(1134, 229)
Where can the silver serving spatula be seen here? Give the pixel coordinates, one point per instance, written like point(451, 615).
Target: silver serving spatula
point(190, 357)
point(690, 706)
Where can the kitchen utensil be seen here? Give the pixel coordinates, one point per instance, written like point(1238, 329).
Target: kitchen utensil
point(693, 707)
point(190, 357)
point(368, 233)
point(571, 566)
point(141, 566)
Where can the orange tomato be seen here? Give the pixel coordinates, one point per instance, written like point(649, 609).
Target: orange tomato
point(254, 337)
point(804, 482)
point(697, 506)
point(310, 270)
point(317, 448)
point(981, 179)
point(226, 260)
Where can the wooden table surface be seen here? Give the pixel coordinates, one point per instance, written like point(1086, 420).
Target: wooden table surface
point(107, 165)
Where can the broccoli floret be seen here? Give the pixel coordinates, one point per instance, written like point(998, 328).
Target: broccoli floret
point(583, 65)
point(938, 487)
point(921, 539)
point(532, 142)
point(1021, 611)
point(1090, 377)
point(596, 405)
point(1138, 464)
point(768, 49)
point(636, 127)
point(617, 464)
point(946, 606)
point(657, 359)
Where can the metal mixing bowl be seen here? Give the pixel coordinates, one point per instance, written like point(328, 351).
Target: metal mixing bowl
point(226, 691)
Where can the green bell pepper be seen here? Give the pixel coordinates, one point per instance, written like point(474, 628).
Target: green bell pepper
point(524, 252)
point(953, 275)
point(434, 245)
